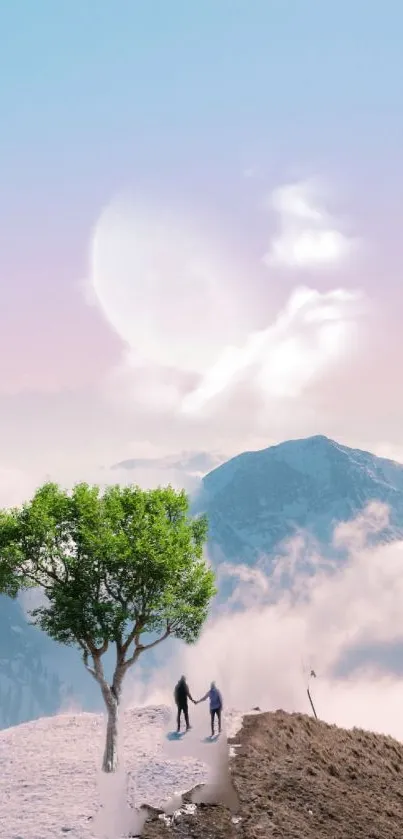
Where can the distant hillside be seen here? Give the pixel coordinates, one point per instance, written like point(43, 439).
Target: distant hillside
point(29, 687)
point(182, 470)
point(194, 463)
point(301, 779)
point(256, 500)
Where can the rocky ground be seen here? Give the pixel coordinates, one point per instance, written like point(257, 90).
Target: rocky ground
point(296, 778)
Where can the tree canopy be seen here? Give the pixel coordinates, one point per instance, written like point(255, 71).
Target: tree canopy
point(114, 565)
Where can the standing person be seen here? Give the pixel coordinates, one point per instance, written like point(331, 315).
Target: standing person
point(182, 694)
point(215, 698)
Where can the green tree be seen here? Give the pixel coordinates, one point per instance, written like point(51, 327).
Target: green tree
point(116, 566)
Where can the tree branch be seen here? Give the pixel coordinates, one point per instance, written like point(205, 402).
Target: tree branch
point(85, 660)
point(32, 575)
point(95, 651)
point(97, 672)
point(37, 562)
point(140, 648)
point(62, 559)
point(103, 649)
point(133, 658)
point(133, 636)
point(38, 582)
point(115, 595)
point(119, 648)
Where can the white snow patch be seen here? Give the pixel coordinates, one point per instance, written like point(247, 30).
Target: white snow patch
point(51, 784)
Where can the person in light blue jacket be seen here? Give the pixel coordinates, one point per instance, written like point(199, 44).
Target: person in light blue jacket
point(214, 695)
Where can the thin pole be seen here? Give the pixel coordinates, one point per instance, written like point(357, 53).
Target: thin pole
point(312, 705)
point(312, 674)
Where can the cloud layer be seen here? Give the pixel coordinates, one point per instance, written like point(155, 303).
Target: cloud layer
point(179, 306)
point(309, 335)
point(308, 237)
point(262, 654)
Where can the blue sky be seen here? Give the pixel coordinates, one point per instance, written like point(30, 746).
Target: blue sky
point(188, 85)
point(176, 102)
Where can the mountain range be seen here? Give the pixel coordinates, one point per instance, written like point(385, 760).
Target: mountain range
point(181, 470)
point(254, 501)
point(258, 499)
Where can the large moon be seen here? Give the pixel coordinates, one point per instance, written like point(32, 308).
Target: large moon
point(165, 291)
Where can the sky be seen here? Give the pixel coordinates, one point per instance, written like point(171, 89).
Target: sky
point(200, 243)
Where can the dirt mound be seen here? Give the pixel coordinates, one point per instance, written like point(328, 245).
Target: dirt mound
point(297, 778)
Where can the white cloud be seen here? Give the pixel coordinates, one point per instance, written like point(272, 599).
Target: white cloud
point(262, 654)
point(309, 335)
point(308, 237)
point(354, 535)
point(192, 346)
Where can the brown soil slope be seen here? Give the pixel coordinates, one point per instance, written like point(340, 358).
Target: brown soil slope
point(301, 779)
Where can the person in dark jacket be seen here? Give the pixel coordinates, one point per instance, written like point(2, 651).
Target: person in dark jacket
point(215, 701)
point(182, 694)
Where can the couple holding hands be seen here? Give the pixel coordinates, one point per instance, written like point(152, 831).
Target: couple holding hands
point(182, 694)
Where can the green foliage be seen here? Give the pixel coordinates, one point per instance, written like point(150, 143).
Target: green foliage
point(9, 581)
point(114, 565)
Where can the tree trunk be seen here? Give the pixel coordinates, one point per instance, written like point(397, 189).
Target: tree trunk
point(110, 761)
point(111, 695)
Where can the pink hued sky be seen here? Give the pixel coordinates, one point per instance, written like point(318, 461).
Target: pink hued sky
point(166, 194)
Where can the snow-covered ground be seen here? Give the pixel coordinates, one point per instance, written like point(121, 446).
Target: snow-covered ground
point(51, 785)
